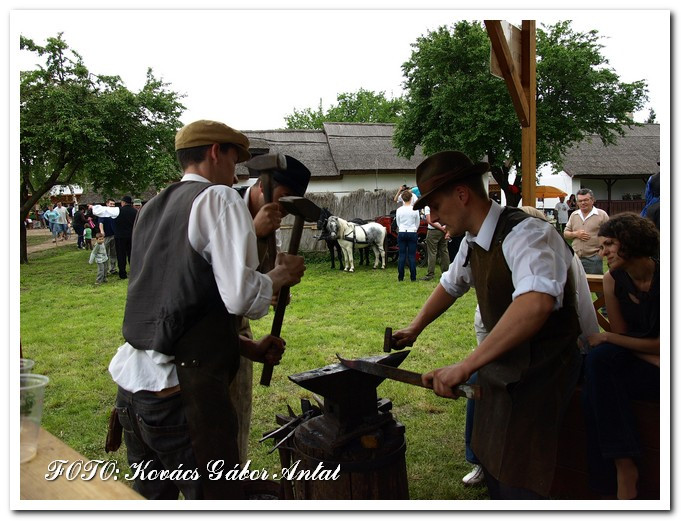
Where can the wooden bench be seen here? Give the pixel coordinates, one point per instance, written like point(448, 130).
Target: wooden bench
point(571, 478)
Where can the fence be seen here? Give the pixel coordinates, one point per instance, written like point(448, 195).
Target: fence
point(359, 204)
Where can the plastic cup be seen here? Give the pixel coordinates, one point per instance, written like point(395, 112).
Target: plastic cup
point(31, 411)
point(27, 365)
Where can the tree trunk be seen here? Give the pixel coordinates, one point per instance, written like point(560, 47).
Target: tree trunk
point(23, 249)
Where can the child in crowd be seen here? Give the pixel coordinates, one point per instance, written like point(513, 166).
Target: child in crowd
point(87, 237)
point(99, 256)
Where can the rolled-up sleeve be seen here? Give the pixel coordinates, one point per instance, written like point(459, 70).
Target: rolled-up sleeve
point(221, 231)
point(538, 258)
point(458, 279)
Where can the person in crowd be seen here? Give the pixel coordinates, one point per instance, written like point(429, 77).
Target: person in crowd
point(572, 205)
point(624, 364)
point(528, 364)
point(193, 271)
point(78, 224)
point(123, 234)
point(408, 221)
point(51, 217)
point(400, 192)
point(437, 240)
point(99, 256)
point(652, 206)
point(63, 220)
point(106, 228)
point(562, 210)
point(137, 204)
point(87, 237)
point(582, 229)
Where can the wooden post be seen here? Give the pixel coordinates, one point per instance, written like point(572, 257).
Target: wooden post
point(521, 81)
point(529, 132)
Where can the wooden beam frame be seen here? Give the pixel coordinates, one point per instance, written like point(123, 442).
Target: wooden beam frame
point(522, 86)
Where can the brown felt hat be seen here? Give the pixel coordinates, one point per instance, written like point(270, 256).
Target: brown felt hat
point(206, 132)
point(442, 169)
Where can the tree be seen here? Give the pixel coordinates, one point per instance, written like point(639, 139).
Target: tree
point(363, 106)
point(651, 116)
point(82, 128)
point(453, 102)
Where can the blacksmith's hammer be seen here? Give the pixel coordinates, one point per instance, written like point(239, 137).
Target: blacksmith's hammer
point(264, 166)
point(303, 210)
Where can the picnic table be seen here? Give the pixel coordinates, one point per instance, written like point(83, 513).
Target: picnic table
point(75, 482)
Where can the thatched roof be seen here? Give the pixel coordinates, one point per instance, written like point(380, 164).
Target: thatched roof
point(338, 149)
point(367, 147)
point(308, 146)
point(635, 155)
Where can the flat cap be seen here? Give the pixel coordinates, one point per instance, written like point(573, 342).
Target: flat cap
point(206, 132)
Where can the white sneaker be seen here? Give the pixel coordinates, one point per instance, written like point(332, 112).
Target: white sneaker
point(474, 477)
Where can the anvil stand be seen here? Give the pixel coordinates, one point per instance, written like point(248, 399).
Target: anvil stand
point(355, 431)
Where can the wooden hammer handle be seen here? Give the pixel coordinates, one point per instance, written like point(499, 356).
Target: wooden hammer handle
point(282, 301)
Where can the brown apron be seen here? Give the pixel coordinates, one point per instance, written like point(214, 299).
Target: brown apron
point(207, 357)
point(525, 392)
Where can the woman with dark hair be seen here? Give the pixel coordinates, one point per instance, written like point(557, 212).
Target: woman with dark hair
point(625, 362)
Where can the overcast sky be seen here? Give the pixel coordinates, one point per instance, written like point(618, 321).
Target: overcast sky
point(251, 68)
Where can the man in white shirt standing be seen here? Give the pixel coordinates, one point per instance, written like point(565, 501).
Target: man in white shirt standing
point(193, 271)
point(562, 210)
point(528, 364)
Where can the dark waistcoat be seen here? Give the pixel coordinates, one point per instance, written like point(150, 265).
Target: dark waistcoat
point(525, 391)
point(174, 307)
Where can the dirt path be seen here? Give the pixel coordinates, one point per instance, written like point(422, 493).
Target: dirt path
point(47, 235)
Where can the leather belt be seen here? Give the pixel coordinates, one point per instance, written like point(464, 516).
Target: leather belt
point(168, 391)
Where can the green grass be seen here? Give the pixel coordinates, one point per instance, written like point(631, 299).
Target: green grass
point(72, 329)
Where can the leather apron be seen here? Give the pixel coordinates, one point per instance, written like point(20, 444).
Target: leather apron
point(526, 391)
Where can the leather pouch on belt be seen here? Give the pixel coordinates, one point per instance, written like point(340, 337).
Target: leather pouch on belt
point(114, 434)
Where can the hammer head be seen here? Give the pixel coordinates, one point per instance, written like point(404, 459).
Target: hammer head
point(274, 161)
point(301, 207)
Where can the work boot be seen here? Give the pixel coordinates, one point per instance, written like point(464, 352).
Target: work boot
point(474, 477)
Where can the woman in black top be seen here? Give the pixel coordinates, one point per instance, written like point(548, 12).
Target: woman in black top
point(625, 362)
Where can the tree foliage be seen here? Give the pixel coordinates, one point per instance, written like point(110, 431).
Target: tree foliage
point(453, 102)
point(363, 106)
point(81, 128)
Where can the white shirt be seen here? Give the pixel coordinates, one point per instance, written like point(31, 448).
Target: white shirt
point(536, 255)
point(408, 219)
point(562, 211)
point(221, 231)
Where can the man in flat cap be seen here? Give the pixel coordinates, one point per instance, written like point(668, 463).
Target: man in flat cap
point(292, 180)
point(193, 272)
point(528, 364)
point(123, 234)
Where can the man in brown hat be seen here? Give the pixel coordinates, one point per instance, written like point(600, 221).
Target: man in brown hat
point(266, 220)
point(193, 271)
point(528, 364)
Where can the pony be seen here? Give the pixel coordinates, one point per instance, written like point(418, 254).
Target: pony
point(332, 244)
point(349, 234)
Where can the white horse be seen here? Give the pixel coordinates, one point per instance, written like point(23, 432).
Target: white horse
point(348, 234)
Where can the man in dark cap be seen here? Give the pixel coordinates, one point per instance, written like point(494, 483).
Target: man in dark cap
point(528, 364)
point(193, 272)
point(123, 234)
point(266, 220)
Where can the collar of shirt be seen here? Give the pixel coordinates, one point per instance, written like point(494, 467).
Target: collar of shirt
point(594, 211)
point(484, 236)
point(194, 177)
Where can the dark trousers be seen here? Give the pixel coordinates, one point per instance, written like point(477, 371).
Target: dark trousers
point(79, 231)
point(613, 377)
point(157, 438)
point(406, 241)
point(468, 433)
point(123, 249)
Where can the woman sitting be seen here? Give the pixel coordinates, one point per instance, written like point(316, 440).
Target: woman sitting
point(625, 363)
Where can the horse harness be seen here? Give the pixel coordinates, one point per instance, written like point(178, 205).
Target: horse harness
point(352, 235)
